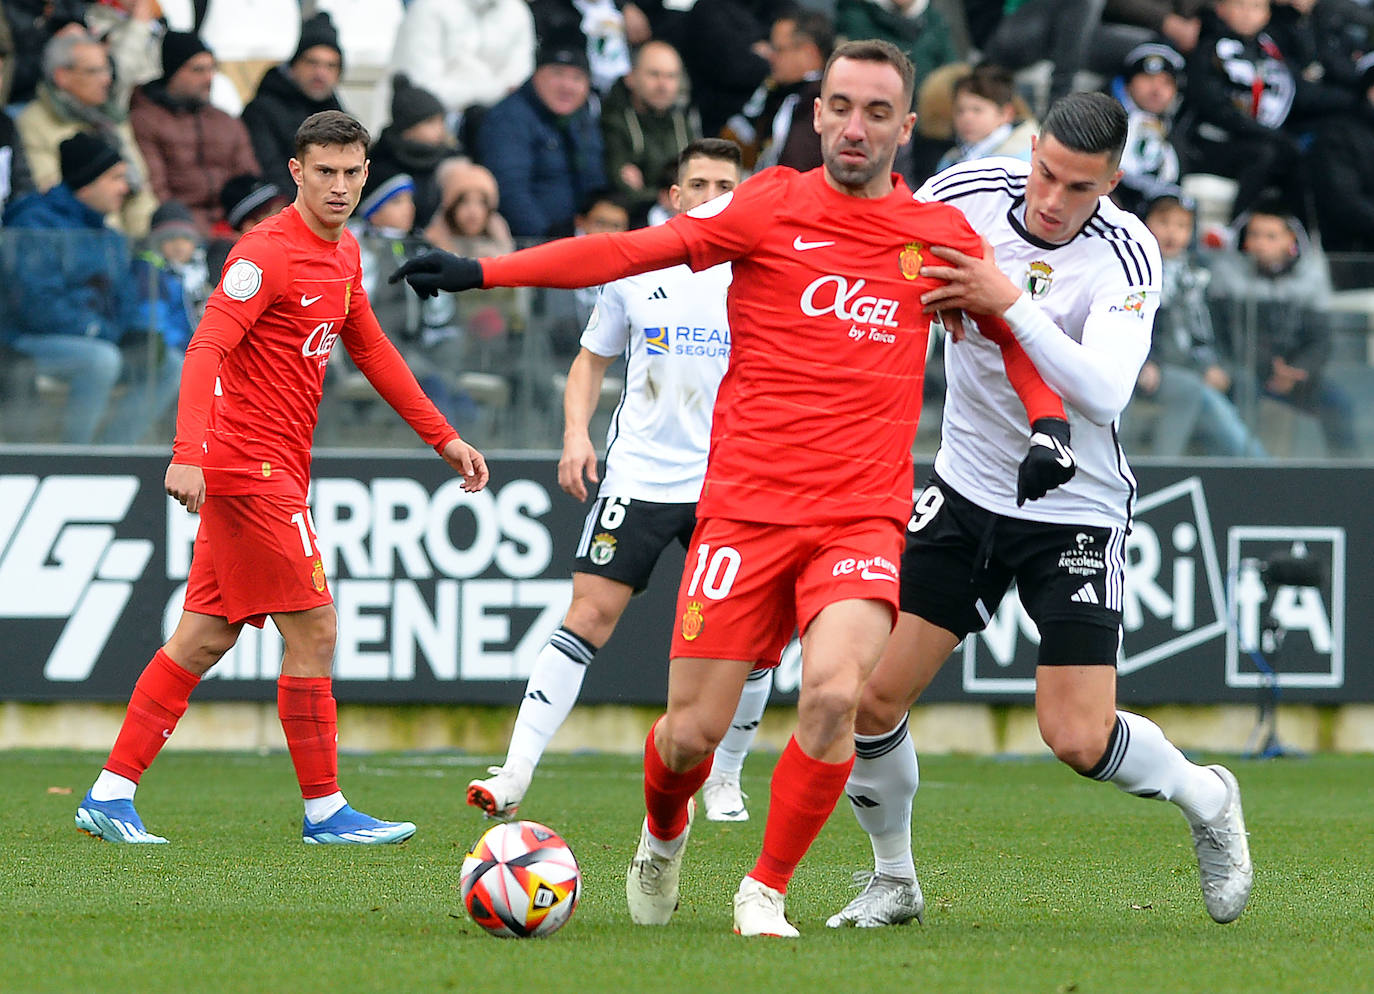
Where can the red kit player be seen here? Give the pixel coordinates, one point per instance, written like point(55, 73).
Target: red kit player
point(249, 403)
point(808, 484)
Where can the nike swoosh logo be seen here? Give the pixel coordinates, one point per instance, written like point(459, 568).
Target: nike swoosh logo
point(166, 733)
point(868, 574)
point(307, 301)
point(802, 246)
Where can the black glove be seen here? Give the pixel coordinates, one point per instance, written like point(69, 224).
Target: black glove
point(434, 271)
point(1049, 462)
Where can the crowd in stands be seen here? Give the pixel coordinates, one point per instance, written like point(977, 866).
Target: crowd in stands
point(140, 138)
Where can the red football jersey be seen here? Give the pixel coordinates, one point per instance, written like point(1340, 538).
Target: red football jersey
point(816, 416)
point(286, 297)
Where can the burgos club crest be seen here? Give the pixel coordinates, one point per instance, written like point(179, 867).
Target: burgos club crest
point(692, 621)
point(1039, 276)
point(602, 550)
point(910, 260)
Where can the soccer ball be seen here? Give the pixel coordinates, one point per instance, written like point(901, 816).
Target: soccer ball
point(520, 881)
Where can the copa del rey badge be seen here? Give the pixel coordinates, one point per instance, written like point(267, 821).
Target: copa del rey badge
point(692, 621)
point(910, 260)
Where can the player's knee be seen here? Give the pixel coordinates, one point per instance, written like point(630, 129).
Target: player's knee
point(1078, 748)
point(829, 703)
point(591, 620)
point(879, 710)
point(685, 740)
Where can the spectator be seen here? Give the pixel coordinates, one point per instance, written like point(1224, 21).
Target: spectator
point(414, 142)
point(985, 118)
point(169, 276)
point(602, 28)
point(914, 26)
point(543, 143)
point(130, 30)
point(468, 224)
point(1322, 40)
point(6, 57)
point(776, 126)
point(662, 208)
point(15, 178)
point(1175, 22)
point(78, 313)
point(1240, 93)
point(1184, 376)
point(190, 146)
point(74, 96)
point(469, 53)
point(646, 123)
point(1148, 89)
point(1271, 299)
point(1342, 181)
point(250, 37)
point(34, 23)
point(245, 200)
point(724, 48)
point(291, 92)
point(1019, 33)
point(934, 134)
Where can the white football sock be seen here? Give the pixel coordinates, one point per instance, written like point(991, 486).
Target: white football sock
point(1141, 761)
point(729, 758)
point(112, 787)
point(549, 696)
point(881, 788)
point(318, 809)
point(667, 848)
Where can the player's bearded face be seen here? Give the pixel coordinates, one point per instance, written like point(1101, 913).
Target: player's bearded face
point(861, 118)
point(330, 179)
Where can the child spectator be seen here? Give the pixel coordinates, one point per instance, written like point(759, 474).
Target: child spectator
point(1148, 89)
point(1183, 375)
point(468, 223)
point(985, 113)
point(170, 277)
point(1271, 299)
point(246, 200)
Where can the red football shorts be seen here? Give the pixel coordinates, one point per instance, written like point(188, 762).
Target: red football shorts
point(255, 555)
point(746, 586)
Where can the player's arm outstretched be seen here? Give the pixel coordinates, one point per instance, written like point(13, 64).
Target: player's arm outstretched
point(577, 466)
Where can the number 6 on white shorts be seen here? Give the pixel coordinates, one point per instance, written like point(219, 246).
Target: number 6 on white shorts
point(715, 572)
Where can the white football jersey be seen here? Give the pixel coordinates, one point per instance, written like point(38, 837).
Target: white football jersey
point(672, 326)
point(1099, 291)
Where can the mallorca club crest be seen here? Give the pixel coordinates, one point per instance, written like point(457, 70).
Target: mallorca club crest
point(910, 260)
point(692, 621)
point(317, 576)
point(603, 549)
point(348, 295)
point(1039, 276)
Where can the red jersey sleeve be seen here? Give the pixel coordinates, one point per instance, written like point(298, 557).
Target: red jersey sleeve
point(215, 336)
point(1036, 396)
point(727, 227)
point(569, 263)
point(384, 368)
point(255, 276)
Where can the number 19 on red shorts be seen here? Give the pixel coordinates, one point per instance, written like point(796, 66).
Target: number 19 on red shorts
point(747, 586)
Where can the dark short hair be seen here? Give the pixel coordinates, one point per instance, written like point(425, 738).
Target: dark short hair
point(812, 25)
point(331, 127)
point(603, 195)
point(721, 149)
point(989, 81)
point(1088, 122)
point(877, 50)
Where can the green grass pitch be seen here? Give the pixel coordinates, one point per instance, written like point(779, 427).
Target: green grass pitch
point(1035, 881)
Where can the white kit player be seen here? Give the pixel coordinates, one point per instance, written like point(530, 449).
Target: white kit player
point(672, 326)
point(1077, 281)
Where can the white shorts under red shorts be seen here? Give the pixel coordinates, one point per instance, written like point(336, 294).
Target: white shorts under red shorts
point(255, 555)
point(747, 586)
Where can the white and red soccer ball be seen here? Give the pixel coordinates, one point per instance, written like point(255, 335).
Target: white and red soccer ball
point(521, 881)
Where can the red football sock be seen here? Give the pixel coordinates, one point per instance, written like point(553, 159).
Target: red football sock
point(803, 793)
point(666, 793)
point(310, 719)
point(159, 700)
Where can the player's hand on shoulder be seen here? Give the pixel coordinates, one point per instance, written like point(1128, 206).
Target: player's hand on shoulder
point(1048, 464)
point(470, 464)
point(187, 484)
point(431, 272)
point(577, 466)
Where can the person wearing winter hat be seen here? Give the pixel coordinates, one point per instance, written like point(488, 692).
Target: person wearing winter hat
point(170, 275)
point(78, 315)
point(1148, 88)
point(415, 141)
point(1342, 182)
point(468, 222)
point(191, 147)
point(543, 142)
point(246, 200)
point(291, 92)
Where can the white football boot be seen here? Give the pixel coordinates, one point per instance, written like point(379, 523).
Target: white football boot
point(651, 882)
point(1223, 855)
point(759, 911)
point(723, 798)
point(883, 901)
point(499, 795)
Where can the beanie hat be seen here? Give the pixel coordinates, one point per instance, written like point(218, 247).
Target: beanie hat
point(173, 220)
point(411, 104)
point(383, 183)
point(1152, 59)
point(85, 158)
point(465, 176)
point(178, 48)
point(561, 50)
point(244, 194)
point(318, 30)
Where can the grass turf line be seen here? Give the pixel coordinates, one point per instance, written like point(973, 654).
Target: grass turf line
point(1035, 879)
